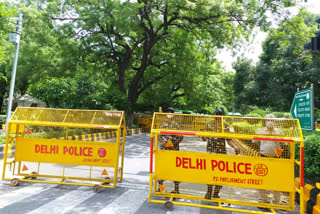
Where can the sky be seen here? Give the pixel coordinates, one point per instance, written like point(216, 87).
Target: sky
point(252, 51)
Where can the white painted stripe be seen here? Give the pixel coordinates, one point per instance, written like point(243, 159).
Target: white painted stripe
point(134, 186)
point(66, 202)
point(127, 203)
point(22, 193)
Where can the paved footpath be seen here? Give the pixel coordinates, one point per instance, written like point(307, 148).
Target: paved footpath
point(130, 197)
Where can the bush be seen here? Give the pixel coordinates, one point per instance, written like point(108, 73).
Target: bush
point(282, 114)
point(257, 112)
point(311, 155)
point(253, 115)
point(3, 119)
point(317, 115)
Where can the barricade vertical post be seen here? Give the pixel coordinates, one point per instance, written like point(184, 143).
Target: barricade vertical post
point(151, 166)
point(301, 177)
point(124, 131)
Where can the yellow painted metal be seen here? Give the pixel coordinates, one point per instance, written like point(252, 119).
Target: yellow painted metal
point(225, 169)
point(65, 152)
point(187, 166)
point(144, 121)
point(34, 146)
point(238, 127)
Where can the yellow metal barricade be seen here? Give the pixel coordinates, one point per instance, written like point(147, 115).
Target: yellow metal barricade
point(50, 148)
point(145, 121)
point(207, 161)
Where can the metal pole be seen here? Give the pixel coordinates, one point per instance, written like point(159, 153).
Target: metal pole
point(312, 108)
point(14, 69)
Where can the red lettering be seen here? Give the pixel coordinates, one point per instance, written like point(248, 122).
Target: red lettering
point(204, 164)
point(247, 168)
point(228, 167)
point(53, 149)
point(84, 151)
point(214, 164)
point(223, 166)
point(43, 148)
point(37, 148)
point(90, 152)
point(184, 163)
point(71, 150)
point(65, 150)
point(190, 164)
point(178, 162)
point(199, 163)
point(241, 172)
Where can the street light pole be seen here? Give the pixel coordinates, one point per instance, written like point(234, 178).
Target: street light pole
point(14, 69)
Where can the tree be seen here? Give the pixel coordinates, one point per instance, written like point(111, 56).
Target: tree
point(5, 28)
point(131, 37)
point(284, 65)
point(244, 85)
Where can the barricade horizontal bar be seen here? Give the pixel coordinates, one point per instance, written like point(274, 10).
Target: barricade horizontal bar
point(178, 133)
point(73, 125)
point(63, 177)
point(209, 207)
point(273, 139)
point(65, 183)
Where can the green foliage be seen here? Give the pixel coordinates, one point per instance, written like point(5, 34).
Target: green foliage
point(47, 134)
point(257, 112)
point(2, 139)
point(5, 27)
point(244, 87)
point(312, 152)
point(207, 110)
point(156, 52)
point(317, 115)
point(246, 128)
point(282, 114)
point(285, 65)
point(57, 92)
point(3, 119)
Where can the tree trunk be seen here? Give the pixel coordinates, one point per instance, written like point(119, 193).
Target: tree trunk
point(130, 118)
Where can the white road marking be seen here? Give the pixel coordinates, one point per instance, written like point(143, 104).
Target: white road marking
point(127, 203)
point(66, 202)
point(22, 193)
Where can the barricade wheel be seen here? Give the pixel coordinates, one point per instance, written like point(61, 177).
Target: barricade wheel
point(96, 188)
point(14, 182)
point(168, 205)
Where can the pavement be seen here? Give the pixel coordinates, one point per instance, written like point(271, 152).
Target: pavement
point(130, 197)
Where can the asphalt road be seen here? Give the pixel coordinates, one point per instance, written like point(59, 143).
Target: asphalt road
point(130, 197)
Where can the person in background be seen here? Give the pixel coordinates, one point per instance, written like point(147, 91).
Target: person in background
point(268, 149)
point(218, 146)
point(170, 142)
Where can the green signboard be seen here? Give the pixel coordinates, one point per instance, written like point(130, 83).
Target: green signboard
point(302, 109)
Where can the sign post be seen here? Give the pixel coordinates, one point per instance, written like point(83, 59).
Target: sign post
point(14, 38)
point(302, 109)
